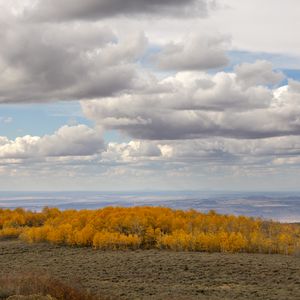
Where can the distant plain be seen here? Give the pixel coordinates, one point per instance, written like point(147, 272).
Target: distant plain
point(279, 206)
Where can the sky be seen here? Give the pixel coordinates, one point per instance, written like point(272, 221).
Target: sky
point(149, 95)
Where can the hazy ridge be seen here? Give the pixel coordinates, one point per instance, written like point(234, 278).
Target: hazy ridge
point(281, 206)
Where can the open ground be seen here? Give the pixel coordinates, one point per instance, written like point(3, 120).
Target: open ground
point(153, 274)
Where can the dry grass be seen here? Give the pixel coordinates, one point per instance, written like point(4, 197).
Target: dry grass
point(159, 275)
point(41, 284)
point(31, 297)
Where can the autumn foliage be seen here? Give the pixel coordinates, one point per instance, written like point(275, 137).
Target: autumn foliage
point(117, 228)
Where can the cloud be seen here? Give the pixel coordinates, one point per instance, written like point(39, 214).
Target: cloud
point(99, 9)
point(269, 152)
point(178, 122)
point(193, 105)
point(6, 120)
point(59, 61)
point(261, 26)
point(259, 73)
point(132, 151)
point(196, 52)
point(53, 62)
point(70, 141)
point(76, 156)
point(294, 87)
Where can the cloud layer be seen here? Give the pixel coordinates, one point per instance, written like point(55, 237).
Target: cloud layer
point(48, 62)
point(67, 141)
point(99, 9)
point(196, 52)
point(198, 105)
point(156, 86)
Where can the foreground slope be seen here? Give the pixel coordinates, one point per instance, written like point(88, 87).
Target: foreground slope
point(153, 274)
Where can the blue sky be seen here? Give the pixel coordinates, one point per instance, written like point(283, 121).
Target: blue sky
point(39, 119)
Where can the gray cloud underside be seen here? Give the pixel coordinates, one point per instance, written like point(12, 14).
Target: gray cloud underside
point(195, 52)
point(198, 105)
point(260, 72)
point(57, 61)
point(53, 62)
point(272, 151)
point(83, 146)
point(99, 9)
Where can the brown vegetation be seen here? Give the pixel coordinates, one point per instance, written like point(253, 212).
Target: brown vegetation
point(30, 297)
point(150, 228)
point(40, 287)
point(159, 275)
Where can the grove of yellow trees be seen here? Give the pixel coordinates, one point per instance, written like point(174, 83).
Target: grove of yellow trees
point(150, 227)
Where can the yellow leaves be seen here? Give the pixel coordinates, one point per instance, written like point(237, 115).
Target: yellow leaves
point(84, 237)
point(285, 243)
point(178, 241)
point(236, 242)
point(150, 237)
point(35, 234)
point(115, 241)
point(150, 227)
point(220, 242)
point(60, 234)
point(10, 232)
point(207, 242)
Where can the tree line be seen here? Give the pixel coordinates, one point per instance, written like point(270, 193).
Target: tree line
point(115, 228)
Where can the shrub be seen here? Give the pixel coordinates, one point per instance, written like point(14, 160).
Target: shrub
point(42, 285)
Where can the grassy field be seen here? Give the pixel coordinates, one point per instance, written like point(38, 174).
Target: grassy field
point(153, 274)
